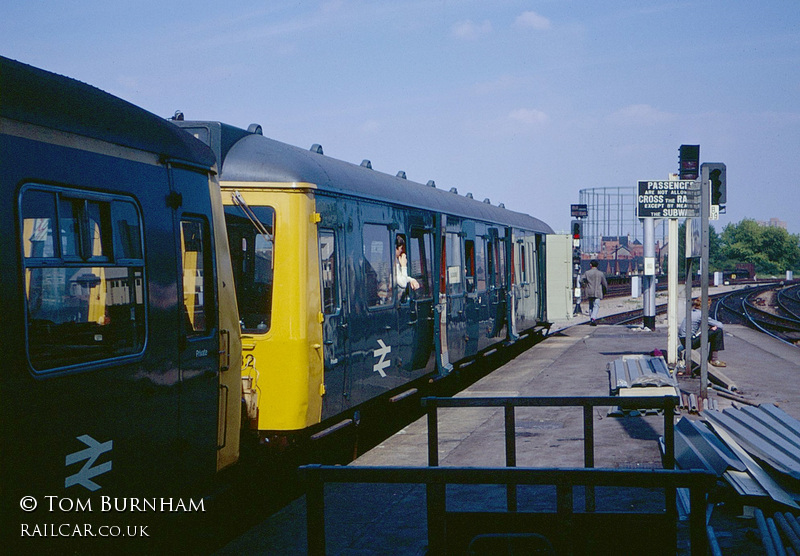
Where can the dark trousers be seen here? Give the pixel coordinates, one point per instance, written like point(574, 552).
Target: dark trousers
point(716, 341)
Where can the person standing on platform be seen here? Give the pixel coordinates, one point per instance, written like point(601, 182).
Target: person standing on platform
point(596, 286)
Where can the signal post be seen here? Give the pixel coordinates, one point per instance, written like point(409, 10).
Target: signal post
point(694, 199)
point(579, 212)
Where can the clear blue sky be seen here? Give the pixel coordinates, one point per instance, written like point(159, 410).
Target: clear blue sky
point(524, 102)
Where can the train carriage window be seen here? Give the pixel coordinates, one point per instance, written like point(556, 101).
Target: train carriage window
point(420, 262)
point(454, 265)
point(127, 237)
point(83, 304)
point(99, 237)
point(501, 263)
point(377, 265)
point(69, 211)
point(480, 264)
point(39, 217)
point(469, 255)
point(252, 241)
point(197, 274)
point(491, 266)
point(328, 272)
point(523, 265)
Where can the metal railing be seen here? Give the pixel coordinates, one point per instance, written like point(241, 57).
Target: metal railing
point(698, 482)
point(509, 404)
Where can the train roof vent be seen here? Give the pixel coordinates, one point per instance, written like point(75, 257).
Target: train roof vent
point(178, 117)
point(366, 164)
point(502, 205)
point(468, 196)
point(316, 148)
point(454, 190)
point(401, 175)
point(255, 128)
point(487, 201)
point(431, 183)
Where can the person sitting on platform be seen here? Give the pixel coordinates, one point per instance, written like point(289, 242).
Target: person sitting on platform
point(716, 335)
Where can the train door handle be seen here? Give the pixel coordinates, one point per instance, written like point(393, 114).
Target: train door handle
point(223, 393)
point(328, 342)
point(225, 349)
point(387, 327)
point(412, 322)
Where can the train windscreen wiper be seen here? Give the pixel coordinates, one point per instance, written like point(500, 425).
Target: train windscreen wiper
point(239, 201)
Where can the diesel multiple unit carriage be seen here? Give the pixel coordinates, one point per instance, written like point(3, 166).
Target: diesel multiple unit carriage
point(151, 312)
point(120, 343)
point(321, 252)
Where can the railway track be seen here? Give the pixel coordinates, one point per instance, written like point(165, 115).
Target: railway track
point(772, 309)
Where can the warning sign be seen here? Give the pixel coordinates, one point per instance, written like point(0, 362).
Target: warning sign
point(668, 199)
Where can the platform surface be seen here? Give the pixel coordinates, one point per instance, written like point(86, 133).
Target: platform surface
point(363, 519)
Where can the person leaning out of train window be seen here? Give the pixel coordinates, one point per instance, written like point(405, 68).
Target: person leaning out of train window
point(402, 279)
point(716, 336)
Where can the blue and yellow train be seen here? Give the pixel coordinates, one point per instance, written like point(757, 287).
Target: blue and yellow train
point(167, 285)
point(352, 284)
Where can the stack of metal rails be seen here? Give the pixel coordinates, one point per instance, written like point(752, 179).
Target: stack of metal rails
point(756, 452)
point(640, 375)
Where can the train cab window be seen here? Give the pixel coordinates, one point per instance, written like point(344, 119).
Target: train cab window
point(252, 240)
point(197, 275)
point(420, 264)
point(454, 264)
point(480, 264)
point(84, 300)
point(469, 256)
point(328, 272)
point(377, 265)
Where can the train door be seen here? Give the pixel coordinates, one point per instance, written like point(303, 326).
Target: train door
point(541, 273)
point(442, 310)
point(457, 320)
point(485, 315)
point(335, 327)
point(495, 257)
point(512, 281)
point(100, 386)
point(527, 269)
point(197, 321)
point(375, 333)
point(472, 300)
point(415, 299)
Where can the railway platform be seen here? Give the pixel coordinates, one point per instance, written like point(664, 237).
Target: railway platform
point(572, 361)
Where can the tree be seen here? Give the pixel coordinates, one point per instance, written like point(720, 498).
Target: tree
point(772, 250)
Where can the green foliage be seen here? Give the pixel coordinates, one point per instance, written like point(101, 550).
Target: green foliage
point(772, 250)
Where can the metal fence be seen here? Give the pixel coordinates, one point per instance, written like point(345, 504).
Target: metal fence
point(436, 478)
